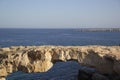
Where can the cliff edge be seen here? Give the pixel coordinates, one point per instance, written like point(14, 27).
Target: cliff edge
point(105, 59)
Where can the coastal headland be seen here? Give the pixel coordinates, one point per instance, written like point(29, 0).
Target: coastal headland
point(98, 30)
point(105, 59)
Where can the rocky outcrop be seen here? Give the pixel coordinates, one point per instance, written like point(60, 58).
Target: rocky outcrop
point(105, 59)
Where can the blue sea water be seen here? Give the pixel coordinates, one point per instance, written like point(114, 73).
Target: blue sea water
point(65, 37)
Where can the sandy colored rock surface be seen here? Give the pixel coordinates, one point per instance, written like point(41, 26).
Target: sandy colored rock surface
point(105, 59)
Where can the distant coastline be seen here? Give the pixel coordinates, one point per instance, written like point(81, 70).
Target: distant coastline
point(98, 30)
point(76, 29)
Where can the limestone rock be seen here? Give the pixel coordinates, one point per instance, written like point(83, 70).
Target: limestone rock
point(5, 49)
point(105, 59)
point(2, 78)
point(3, 71)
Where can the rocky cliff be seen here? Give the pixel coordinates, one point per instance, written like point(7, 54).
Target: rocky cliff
point(105, 59)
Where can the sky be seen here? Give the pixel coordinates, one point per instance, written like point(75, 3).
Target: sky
point(59, 13)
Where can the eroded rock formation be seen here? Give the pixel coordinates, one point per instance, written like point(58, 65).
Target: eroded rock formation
point(106, 59)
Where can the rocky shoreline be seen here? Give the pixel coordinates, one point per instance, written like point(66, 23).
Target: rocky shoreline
point(105, 59)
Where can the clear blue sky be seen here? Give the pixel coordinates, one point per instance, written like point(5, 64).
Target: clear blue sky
point(59, 13)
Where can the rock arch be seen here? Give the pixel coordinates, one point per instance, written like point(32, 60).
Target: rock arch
point(41, 58)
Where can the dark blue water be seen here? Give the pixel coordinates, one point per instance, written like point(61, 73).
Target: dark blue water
point(66, 37)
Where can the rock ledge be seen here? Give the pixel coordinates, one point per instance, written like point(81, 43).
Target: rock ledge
point(105, 59)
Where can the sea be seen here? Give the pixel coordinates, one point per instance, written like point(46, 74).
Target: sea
point(64, 37)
